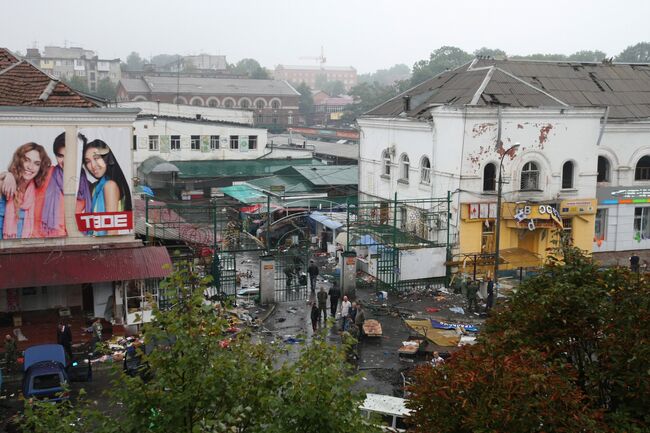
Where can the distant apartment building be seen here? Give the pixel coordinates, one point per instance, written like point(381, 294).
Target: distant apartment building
point(205, 61)
point(309, 74)
point(66, 63)
point(273, 102)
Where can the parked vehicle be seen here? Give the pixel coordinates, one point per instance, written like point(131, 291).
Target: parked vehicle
point(389, 412)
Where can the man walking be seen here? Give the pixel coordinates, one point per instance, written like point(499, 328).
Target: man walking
point(322, 303)
point(313, 272)
point(490, 295)
point(10, 353)
point(64, 338)
point(471, 296)
point(335, 294)
point(346, 306)
point(359, 318)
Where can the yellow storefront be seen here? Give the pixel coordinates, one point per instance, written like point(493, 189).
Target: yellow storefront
point(528, 231)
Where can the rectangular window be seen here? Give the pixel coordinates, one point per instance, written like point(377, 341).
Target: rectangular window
point(234, 141)
point(135, 142)
point(214, 142)
point(153, 142)
point(642, 223)
point(567, 227)
point(175, 142)
point(600, 225)
point(487, 238)
point(195, 142)
point(252, 141)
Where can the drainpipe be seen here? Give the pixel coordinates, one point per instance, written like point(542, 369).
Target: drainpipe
point(602, 127)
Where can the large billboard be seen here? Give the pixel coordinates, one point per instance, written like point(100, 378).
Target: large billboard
point(105, 182)
point(31, 182)
point(33, 175)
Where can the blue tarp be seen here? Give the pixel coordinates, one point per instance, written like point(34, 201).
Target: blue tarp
point(445, 325)
point(324, 220)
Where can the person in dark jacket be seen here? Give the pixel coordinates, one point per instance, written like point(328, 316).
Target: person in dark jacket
point(64, 338)
point(313, 272)
point(490, 295)
point(322, 303)
point(335, 294)
point(315, 316)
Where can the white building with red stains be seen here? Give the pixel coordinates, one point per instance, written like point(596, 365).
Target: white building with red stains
point(582, 142)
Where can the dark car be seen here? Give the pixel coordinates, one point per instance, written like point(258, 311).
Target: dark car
point(47, 371)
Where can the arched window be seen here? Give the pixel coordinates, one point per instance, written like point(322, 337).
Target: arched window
point(642, 171)
point(228, 103)
point(404, 165)
point(385, 157)
point(567, 175)
point(489, 177)
point(259, 104)
point(603, 169)
point(530, 177)
point(425, 170)
point(275, 104)
point(244, 103)
point(213, 103)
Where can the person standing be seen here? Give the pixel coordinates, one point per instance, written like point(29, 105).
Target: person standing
point(64, 338)
point(315, 316)
point(10, 353)
point(634, 263)
point(288, 273)
point(322, 303)
point(471, 296)
point(335, 294)
point(437, 359)
point(97, 329)
point(359, 318)
point(346, 306)
point(313, 272)
point(490, 295)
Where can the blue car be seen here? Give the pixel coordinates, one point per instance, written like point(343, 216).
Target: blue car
point(46, 372)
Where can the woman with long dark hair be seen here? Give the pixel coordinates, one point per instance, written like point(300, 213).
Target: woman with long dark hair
point(111, 192)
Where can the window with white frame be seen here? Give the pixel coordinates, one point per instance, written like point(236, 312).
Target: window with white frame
point(567, 228)
point(153, 142)
point(425, 170)
point(489, 177)
point(195, 142)
point(175, 142)
point(642, 223)
point(603, 169)
point(567, 175)
point(404, 167)
point(214, 142)
point(260, 104)
point(234, 141)
point(600, 225)
point(642, 171)
point(385, 157)
point(530, 177)
point(275, 104)
point(252, 142)
point(228, 103)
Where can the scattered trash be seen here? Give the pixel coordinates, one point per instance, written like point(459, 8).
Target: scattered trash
point(432, 310)
point(458, 310)
point(280, 319)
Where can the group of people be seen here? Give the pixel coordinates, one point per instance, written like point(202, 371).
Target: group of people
point(352, 314)
point(31, 190)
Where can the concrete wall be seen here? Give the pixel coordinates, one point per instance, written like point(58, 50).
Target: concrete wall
point(191, 111)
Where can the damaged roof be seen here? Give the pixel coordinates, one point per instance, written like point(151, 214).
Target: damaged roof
point(23, 84)
point(624, 88)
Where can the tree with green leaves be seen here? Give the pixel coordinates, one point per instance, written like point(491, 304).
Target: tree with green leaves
point(440, 60)
point(78, 83)
point(580, 327)
point(494, 53)
point(639, 53)
point(134, 62)
point(202, 378)
point(250, 68)
point(588, 56)
point(106, 89)
point(387, 77)
point(306, 102)
point(334, 88)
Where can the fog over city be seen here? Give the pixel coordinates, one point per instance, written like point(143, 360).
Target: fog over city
point(368, 35)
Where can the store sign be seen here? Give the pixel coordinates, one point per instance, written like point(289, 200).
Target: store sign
point(578, 207)
point(622, 195)
point(482, 211)
point(104, 221)
point(528, 215)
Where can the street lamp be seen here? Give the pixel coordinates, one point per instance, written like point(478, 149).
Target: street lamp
point(498, 222)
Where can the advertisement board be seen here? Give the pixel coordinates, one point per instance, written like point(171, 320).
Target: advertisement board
point(105, 182)
point(31, 182)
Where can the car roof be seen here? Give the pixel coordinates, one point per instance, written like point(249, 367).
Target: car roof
point(386, 404)
point(44, 352)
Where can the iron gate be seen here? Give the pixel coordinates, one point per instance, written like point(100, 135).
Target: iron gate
point(291, 279)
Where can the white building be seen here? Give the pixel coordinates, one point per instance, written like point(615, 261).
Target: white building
point(583, 131)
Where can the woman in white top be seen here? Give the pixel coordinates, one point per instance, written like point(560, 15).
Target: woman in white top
point(346, 306)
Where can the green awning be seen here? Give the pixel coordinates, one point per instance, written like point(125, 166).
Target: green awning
point(244, 194)
point(238, 167)
point(290, 185)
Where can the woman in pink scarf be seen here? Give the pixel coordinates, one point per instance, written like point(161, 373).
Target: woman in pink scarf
point(30, 166)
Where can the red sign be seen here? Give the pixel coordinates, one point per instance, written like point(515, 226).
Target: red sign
point(104, 221)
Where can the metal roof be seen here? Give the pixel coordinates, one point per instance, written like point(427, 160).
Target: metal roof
point(237, 168)
point(244, 194)
point(326, 174)
point(291, 184)
point(624, 88)
point(155, 164)
point(208, 86)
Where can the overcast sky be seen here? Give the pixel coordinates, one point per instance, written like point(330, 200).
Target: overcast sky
point(366, 34)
